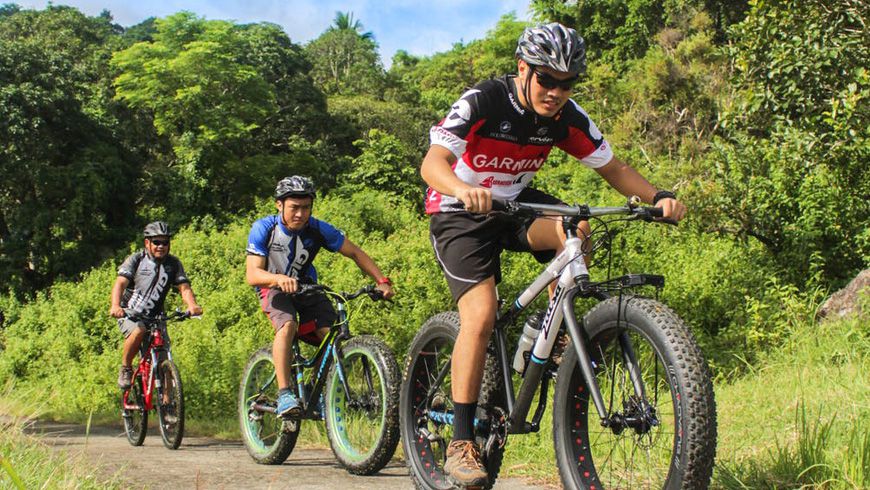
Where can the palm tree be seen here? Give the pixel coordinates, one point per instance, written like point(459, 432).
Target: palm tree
point(344, 21)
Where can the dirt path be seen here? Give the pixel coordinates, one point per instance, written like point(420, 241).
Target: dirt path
point(210, 463)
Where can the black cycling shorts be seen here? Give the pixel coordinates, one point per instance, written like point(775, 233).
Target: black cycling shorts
point(468, 246)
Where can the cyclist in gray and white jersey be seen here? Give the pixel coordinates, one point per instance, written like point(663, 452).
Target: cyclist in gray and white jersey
point(144, 279)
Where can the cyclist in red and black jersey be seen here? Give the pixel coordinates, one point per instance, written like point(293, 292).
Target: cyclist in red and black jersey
point(490, 145)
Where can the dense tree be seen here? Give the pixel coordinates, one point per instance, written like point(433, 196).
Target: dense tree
point(622, 30)
point(234, 102)
point(793, 172)
point(64, 173)
point(345, 60)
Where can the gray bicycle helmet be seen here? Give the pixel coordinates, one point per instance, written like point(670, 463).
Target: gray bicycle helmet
point(295, 186)
point(555, 46)
point(157, 228)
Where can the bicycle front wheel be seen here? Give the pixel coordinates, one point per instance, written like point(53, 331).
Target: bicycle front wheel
point(267, 437)
point(362, 406)
point(170, 405)
point(427, 422)
point(668, 439)
point(134, 413)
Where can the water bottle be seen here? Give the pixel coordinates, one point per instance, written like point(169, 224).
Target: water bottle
point(527, 340)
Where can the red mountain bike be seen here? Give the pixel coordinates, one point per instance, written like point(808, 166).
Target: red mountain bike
point(156, 386)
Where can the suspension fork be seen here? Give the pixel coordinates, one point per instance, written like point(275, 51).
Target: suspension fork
point(583, 357)
point(630, 360)
point(587, 366)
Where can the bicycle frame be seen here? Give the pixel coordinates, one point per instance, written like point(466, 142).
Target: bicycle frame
point(157, 349)
point(569, 269)
point(328, 351)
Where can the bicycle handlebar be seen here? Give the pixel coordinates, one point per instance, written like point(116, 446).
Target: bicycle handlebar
point(583, 212)
point(371, 291)
point(175, 316)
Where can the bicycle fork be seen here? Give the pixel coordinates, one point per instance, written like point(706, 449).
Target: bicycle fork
point(562, 309)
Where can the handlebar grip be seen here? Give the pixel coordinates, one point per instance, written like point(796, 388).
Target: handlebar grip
point(499, 205)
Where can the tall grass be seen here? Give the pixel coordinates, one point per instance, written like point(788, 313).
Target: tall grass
point(803, 420)
point(799, 419)
point(25, 462)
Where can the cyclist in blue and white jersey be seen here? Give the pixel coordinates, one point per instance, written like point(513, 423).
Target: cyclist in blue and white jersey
point(281, 251)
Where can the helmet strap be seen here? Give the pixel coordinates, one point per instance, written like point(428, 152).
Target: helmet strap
point(527, 89)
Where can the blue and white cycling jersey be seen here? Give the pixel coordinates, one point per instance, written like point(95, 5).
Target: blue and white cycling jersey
point(292, 252)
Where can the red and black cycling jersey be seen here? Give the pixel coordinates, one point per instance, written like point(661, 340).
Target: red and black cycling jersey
point(500, 145)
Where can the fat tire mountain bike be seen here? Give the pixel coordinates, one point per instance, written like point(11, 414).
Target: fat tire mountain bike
point(156, 376)
point(359, 379)
point(629, 358)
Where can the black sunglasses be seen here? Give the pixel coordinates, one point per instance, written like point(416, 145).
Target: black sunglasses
point(549, 82)
point(160, 243)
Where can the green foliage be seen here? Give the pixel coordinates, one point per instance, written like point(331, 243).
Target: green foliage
point(805, 202)
point(618, 31)
point(346, 62)
point(408, 122)
point(190, 79)
point(443, 77)
point(63, 168)
point(804, 64)
point(386, 166)
point(793, 172)
point(225, 97)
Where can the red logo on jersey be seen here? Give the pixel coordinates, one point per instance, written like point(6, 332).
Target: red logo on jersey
point(487, 182)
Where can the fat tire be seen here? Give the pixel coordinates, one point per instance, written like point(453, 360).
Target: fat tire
point(444, 326)
point(285, 441)
point(135, 430)
point(386, 368)
point(693, 445)
point(170, 440)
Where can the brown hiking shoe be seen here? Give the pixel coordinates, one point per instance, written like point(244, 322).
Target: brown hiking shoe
point(464, 466)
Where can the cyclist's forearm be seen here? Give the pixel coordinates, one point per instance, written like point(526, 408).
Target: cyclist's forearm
point(117, 291)
point(438, 173)
point(627, 180)
point(187, 295)
point(262, 278)
point(361, 259)
point(368, 266)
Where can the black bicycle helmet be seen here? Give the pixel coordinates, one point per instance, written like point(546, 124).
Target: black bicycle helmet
point(295, 186)
point(157, 228)
point(553, 45)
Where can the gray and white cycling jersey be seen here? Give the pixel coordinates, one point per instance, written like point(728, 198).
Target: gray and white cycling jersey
point(150, 281)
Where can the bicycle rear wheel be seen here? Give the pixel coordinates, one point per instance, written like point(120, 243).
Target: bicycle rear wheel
point(427, 423)
point(170, 405)
point(675, 447)
point(268, 438)
point(363, 424)
point(134, 413)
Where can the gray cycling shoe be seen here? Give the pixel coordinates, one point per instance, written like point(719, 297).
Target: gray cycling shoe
point(125, 378)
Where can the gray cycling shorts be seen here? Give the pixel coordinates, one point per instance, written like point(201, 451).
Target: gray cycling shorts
point(127, 326)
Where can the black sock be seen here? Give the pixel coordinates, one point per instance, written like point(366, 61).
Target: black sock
point(463, 421)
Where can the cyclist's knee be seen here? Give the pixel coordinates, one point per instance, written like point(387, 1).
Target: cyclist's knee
point(287, 330)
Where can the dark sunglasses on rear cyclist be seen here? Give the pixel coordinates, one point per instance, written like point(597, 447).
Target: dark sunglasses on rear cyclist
point(549, 82)
point(160, 243)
